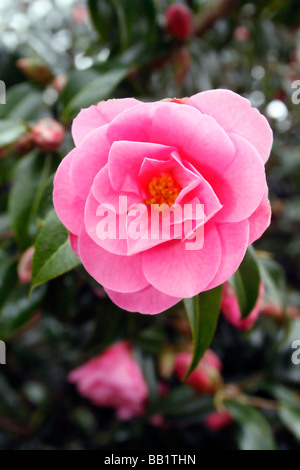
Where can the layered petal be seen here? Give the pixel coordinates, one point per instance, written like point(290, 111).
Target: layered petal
point(91, 155)
point(235, 115)
point(234, 241)
point(148, 301)
point(241, 187)
point(177, 271)
point(115, 272)
point(68, 205)
point(97, 116)
point(260, 219)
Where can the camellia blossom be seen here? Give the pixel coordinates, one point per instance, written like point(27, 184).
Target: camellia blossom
point(207, 151)
point(231, 310)
point(206, 378)
point(113, 379)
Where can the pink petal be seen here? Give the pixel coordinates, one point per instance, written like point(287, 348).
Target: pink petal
point(260, 219)
point(69, 207)
point(183, 273)
point(148, 301)
point(114, 245)
point(234, 242)
point(91, 155)
point(105, 194)
point(73, 239)
point(119, 273)
point(96, 116)
point(235, 114)
point(197, 137)
point(241, 187)
point(125, 160)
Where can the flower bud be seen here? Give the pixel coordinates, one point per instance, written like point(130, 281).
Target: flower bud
point(25, 266)
point(35, 70)
point(59, 83)
point(231, 310)
point(218, 420)
point(206, 378)
point(48, 134)
point(179, 21)
point(241, 34)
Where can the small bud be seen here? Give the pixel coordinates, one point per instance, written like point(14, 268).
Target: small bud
point(231, 310)
point(241, 34)
point(48, 134)
point(179, 21)
point(206, 378)
point(25, 266)
point(59, 83)
point(218, 420)
point(35, 70)
point(80, 14)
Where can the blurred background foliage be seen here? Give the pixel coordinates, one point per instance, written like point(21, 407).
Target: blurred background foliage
point(78, 54)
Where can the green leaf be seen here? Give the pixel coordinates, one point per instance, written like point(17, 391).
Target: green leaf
point(53, 255)
point(10, 131)
point(274, 280)
point(97, 90)
point(29, 182)
point(246, 281)
point(18, 308)
point(255, 432)
point(23, 101)
point(289, 410)
point(203, 312)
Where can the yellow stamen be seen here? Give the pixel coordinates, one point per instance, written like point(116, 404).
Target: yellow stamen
point(163, 190)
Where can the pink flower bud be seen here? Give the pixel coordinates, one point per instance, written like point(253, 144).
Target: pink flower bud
point(80, 14)
point(241, 34)
point(25, 266)
point(231, 310)
point(59, 83)
point(35, 70)
point(218, 420)
point(48, 134)
point(179, 21)
point(206, 378)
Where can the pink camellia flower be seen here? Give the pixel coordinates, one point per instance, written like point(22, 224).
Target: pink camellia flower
point(205, 152)
point(25, 266)
point(48, 134)
point(179, 21)
point(231, 310)
point(218, 420)
point(113, 379)
point(206, 378)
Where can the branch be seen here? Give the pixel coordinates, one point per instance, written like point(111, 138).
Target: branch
point(206, 19)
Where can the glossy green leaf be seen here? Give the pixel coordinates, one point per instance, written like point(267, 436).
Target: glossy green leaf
point(246, 281)
point(25, 197)
point(10, 131)
point(53, 255)
point(203, 312)
point(23, 101)
point(99, 89)
point(255, 432)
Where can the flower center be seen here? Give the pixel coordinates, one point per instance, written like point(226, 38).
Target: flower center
point(162, 190)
